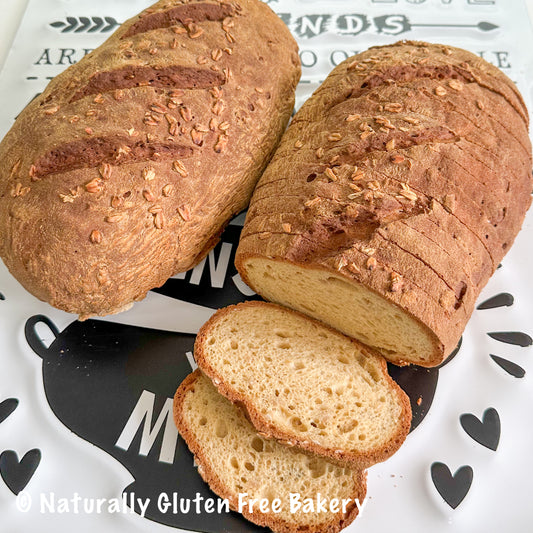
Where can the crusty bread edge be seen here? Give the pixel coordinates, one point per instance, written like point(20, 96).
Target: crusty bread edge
point(441, 348)
point(218, 487)
point(269, 430)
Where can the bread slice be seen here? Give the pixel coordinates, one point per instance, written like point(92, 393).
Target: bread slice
point(233, 459)
point(305, 384)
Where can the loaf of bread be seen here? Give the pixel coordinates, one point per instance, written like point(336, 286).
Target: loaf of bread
point(237, 463)
point(129, 165)
point(304, 383)
point(393, 196)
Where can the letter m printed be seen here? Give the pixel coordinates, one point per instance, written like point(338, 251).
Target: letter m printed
point(142, 415)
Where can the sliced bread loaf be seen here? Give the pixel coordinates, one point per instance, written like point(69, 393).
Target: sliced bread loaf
point(305, 384)
point(399, 145)
point(240, 465)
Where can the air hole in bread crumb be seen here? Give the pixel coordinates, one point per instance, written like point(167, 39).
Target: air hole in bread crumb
point(317, 468)
point(362, 436)
point(358, 404)
point(284, 345)
point(374, 373)
point(249, 466)
point(258, 444)
point(203, 421)
point(311, 177)
point(298, 365)
point(269, 494)
point(349, 426)
point(298, 425)
point(328, 390)
point(343, 359)
point(282, 334)
point(234, 344)
point(382, 399)
point(318, 401)
point(221, 430)
point(234, 463)
point(317, 424)
point(276, 392)
point(211, 341)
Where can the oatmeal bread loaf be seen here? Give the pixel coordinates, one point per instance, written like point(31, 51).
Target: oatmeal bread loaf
point(238, 462)
point(395, 193)
point(305, 384)
point(127, 168)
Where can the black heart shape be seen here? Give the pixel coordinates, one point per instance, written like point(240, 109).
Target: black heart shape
point(486, 431)
point(454, 488)
point(7, 407)
point(15, 473)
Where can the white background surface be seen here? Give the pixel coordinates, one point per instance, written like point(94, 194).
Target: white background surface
point(402, 498)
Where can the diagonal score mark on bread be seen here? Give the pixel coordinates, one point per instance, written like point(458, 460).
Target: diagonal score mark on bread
point(172, 76)
point(93, 152)
point(304, 383)
point(184, 14)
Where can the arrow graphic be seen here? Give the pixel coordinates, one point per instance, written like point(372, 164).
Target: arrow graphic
point(483, 26)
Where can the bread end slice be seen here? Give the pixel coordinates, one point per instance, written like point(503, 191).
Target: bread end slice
point(305, 384)
point(349, 306)
point(234, 459)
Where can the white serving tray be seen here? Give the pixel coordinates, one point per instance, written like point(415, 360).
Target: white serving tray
point(86, 445)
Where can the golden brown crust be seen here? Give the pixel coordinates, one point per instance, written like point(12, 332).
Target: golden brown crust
point(270, 430)
point(210, 476)
point(400, 145)
point(121, 173)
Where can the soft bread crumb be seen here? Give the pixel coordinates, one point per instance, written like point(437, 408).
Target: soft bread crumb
point(235, 460)
point(304, 383)
point(346, 305)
